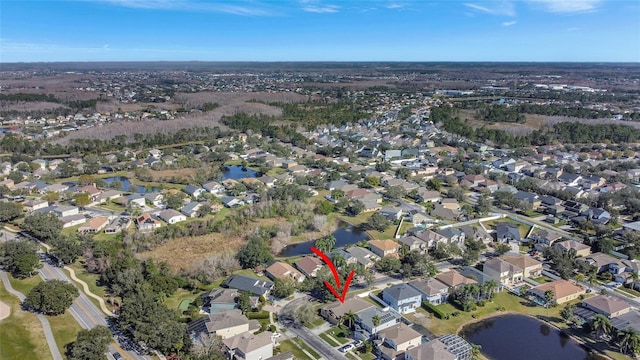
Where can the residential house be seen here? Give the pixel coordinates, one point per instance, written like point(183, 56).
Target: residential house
point(601, 261)
point(132, 200)
point(414, 243)
point(502, 271)
point(394, 341)
point(432, 238)
point(530, 266)
point(231, 201)
point(425, 195)
point(570, 179)
point(457, 346)
point(146, 222)
point(334, 311)
point(598, 215)
point(477, 233)
point(362, 256)
point(225, 324)
point(441, 212)
point(309, 265)
point(507, 232)
point(402, 298)
point(90, 190)
point(579, 248)
point(214, 187)
point(94, 225)
point(391, 212)
point(608, 306)
point(255, 286)
point(529, 198)
point(171, 216)
point(384, 318)
point(432, 290)
point(453, 235)
point(430, 350)
point(450, 203)
point(192, 208)
point(56, 188)
point(384, 248)
point(219, 300)
point(72, 220)
point(563, 291)
point(34, 204)
point(117, 225)
point(154, 198)
point(454, 279)
point(247, 346)
point(193, 190)
point(282, 270)
point(544, 238)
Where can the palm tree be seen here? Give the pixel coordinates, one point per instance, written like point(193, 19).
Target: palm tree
point(629, 341)
point(548, 297)
point(491, 285)
point(601, 325)
point(349, 318)
point(376, 320)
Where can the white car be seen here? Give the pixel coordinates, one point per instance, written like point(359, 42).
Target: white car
point(347, 347)
point(276, 335)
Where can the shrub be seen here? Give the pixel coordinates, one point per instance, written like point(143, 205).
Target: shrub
point(258, 315)
point(434, 310)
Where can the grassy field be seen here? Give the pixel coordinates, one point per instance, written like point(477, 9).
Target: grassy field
point(303, 345)
point(298, 354)
point(328, 340)
point(542, 279)
point(21, 334)
point(25, 285)
point(341, 340)
point(89, 278)
point(524, 229)
point(174, 300)
point(65, 329)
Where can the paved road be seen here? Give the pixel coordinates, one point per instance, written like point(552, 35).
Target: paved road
point(315, 342)
point(86, 313)
point(48, 334)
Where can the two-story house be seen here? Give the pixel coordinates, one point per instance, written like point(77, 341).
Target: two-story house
point(384, 248)
point(503, 271)
point(402, 298)
point(432, 290)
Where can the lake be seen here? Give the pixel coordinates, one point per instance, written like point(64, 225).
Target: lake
point(521, 337)
point(236, 172)
point(345, 234)
point(128, 186)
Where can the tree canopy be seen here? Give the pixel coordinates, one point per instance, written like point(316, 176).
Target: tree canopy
point(90, 344)
point(20, 257)
point(51, 297)
point(44, 225)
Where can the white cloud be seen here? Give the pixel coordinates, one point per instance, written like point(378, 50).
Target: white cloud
point(568, 6)
point(321, 9)
point(192, 5)
point(509, 23)
point(505, 8)
point(395, 6)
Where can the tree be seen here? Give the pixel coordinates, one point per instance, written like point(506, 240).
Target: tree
point(43, 225)
point(355, 208)
point(601, 325)
point(151, 322)
point(85, 180)
point(378, 222)
point(283, 288)
point(325, 208)
point(51, 196)
point(68, 248)
point(304, 314)
point(326, 243)
point(501, 248)
point(90, 344)
point(388, 265)
point(629, 341)
point(434, 184)
point(20, 257)
point(483, 206)
point(349, 319)
point(82, 200)
point(51, 297)
point(567, 313)
point(174, 201)
point(244, 302)
point(9, 211)
point(395, 192)
point(376, 320)
point(337, 194)
point(549, 297)
point(255, 253)
point(456, 192)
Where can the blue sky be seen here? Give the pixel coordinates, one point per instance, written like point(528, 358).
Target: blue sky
point(320, 30)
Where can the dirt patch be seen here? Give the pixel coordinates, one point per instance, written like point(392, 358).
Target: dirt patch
point(167, 174)
point(183, 253)
point(5, 311)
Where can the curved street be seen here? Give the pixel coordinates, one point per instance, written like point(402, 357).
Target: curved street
point(48, 334)
point(315, 342)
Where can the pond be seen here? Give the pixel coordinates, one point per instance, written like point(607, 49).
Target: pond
point(345, 234)
point(236, 172)
point(522, 337)
point(128, 186)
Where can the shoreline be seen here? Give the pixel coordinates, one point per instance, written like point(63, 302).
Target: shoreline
point(578, 340)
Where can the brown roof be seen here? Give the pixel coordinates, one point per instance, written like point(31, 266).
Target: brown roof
point(432, 350)
point(385, 245)
point(607, 304)
point(247, 342)
point(308, 264)
point(522, 261)
point(453, 278)
point(399, 333)
point(225, 320)
point(354, 304)
point(96, 222)
point(572, 244)
point(282, 270)
point(560, 288)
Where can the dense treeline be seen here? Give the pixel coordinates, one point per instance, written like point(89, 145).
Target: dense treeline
point(262, 124)
point(565, 132)
point(500, 113)
point(29, 97)
point(313, 114)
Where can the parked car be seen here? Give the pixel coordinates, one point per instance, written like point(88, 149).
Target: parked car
point(346, 348)
point(117, 356)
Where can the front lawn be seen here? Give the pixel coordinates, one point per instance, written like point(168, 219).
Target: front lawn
point(338, 335)
point(303, 345)
point(288, 345)
point(542, 279)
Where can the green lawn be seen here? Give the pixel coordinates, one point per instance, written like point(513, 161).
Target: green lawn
point(298, 354)
point(542, 279)
point(351, 356)
point(504, 299)
point(65, 329)
point(341, 340)
point(174, 300)
point(89, 278)
point(366, 356)
point(328, 340)
point(25, 285)
point(21, 334)
point(303, 345)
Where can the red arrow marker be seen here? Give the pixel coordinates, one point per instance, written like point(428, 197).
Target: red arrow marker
point(326, 259)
